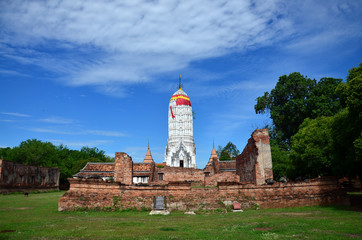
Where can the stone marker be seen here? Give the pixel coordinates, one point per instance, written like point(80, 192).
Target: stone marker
point(159, 212)
point(237, 207)
point(159, 206)
point(159, 203)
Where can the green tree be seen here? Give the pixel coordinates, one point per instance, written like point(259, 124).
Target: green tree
point(282, 164)
point(81, 164)
point(225, 156)
point(287, 103)
point(324, 99)
point(35, 152)
point(4, 152)
point(294, 98)
point(229, 152)
point(332, 145)
point(347, 126)
point(311, 148)
point(94, 153)
point(218, 151)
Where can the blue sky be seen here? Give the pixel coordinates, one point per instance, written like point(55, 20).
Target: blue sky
point(101, 73)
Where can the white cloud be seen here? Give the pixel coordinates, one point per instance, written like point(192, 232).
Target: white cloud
point(58, 120)
point(6, 120)
point(47, 130)
point(132, 40)
point(112, 44)
point(105, 133)
point(15, 114)
point(12, 72)
point(225, 89)
point(79, 132)
point(76, 144)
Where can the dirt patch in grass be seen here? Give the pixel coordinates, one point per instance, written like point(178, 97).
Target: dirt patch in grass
point(11, 209)
point(7, 231)
point(23, 208)
point(168, 229)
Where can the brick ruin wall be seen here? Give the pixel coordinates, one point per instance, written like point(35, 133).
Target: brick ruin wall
point(179, 174)
point(19, 177)
point(212, 180)
point(123, 168)
point(254, 164)
point(227, 165)
point(94, 193)
point(242, 180)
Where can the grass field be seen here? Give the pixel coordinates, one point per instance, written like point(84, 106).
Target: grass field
point(36, 217)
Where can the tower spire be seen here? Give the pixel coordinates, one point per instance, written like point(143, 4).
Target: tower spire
point(179, 83)
point(213, 154)
point(148, 158)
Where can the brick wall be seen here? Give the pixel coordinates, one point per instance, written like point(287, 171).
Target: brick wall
point(227, 164)
point(152, 176)
point(16, 176)
point(213, 179)
point(123, 168)
point(174, 174)
point(142, 166)
point(93, 193)
point(254, 164)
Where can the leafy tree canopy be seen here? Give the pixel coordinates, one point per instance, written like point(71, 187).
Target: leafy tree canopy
point(347, 125)
point(35, 152)
point(229, 152)
point(311, 148)
point(317, 126)
point(296, 97)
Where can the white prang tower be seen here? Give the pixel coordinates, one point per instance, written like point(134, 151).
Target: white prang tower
point(180, 148)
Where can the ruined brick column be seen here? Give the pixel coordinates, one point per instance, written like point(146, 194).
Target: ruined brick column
point(264, 169)
point(216, 164)
point(123, 168)
point(254, 164)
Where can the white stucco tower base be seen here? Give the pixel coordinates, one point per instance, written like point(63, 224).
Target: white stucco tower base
point(180, 148)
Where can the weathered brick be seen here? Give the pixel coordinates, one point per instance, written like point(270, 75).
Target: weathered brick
point(94, 193)
point(16, 177)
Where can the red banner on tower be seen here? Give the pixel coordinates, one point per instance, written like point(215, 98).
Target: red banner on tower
point(173, 116)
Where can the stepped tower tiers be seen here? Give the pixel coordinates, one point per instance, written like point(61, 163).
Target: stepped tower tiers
point(213, 155)
point(180, 148)
point(148, 158)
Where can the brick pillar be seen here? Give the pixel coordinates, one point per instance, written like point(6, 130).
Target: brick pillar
point(254, 164)
point(216, 165)
point(264, 168)
point(152, 176)
point(123, 168)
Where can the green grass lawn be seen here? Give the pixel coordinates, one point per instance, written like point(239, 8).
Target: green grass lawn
point(36, 217)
